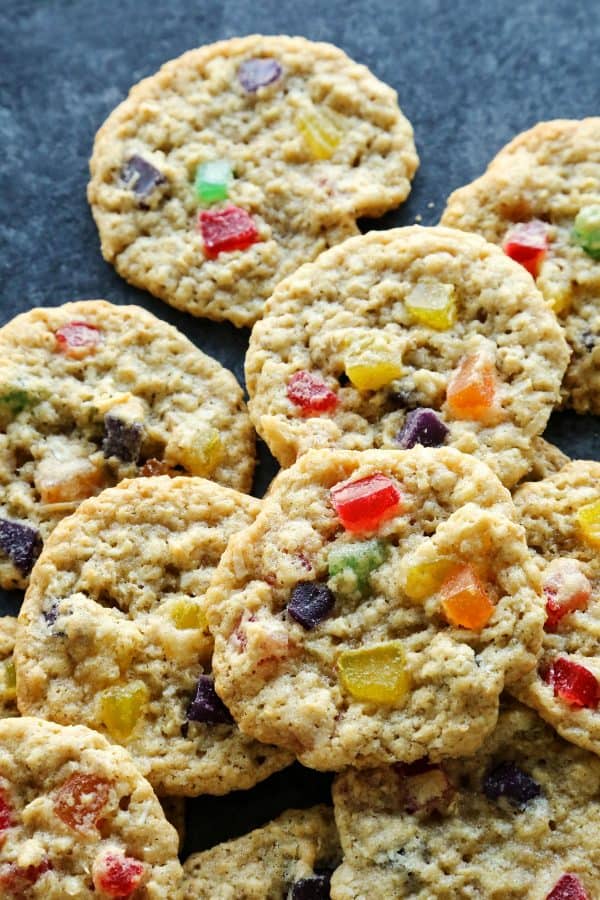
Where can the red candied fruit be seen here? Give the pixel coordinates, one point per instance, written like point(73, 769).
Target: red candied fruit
point(311, 394)
point(7, 819)
point(17, 879)
point(527, 243)
point(77, 339)
point(116, 875)
point(573, 683)
point(363, 504)
point(568, 887)
point(80, 801)
point(226, 229)
point(566, 589)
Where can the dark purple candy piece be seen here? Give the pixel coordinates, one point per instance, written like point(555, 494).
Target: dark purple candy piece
point(316, 887)
point(122, 439)
point(588, 340)
point(256, 73)
point(207, 706)
point(21, 543)
point(422, 426)
point(507, 780)
point(310, 603)
point(141, 176)
point(51, 614)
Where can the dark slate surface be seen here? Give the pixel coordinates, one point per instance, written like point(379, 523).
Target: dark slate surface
point(469, 76)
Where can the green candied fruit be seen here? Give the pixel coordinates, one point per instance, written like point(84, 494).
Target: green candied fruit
point(15, 401)
point(586, 230)
point(213, 180)
point(350, 565)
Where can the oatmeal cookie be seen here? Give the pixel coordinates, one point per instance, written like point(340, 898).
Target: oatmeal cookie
point(8, 684)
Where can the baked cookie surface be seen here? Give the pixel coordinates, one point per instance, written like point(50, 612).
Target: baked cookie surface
point(375, 608)
point(561, 517)
point(292, 137)
point(547, 460)
point(92, 393)
point(8, 684)
point(405, 336)
point(292, 856)
point(510, 822)
point(548, 180)
point(78, 819)
point(113, 634)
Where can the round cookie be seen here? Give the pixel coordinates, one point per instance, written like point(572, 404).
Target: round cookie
point(549, 175)
point(561, 517)
point(513, 821)
point(404, 336)
point(375, 608)
point(238, 162)
point(292, 856)
point(78, 819)
point(8, 684)
point(113, 634)
point(91, 393)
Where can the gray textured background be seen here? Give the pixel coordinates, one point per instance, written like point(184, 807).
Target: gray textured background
point(469, 76)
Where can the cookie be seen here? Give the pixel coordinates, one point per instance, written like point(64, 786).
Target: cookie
point(540, 199)
point(113, 634)
point(238, 162)
point(375, 608)
point(547, 459)
point(561, 517)
point(91, 393)
point(291, 857)
point(414, 335)
point(174, 810)
point(517, 820)
point(78, 819)
point(8, 684)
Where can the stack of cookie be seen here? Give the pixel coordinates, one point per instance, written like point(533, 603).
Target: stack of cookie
point(388, 612)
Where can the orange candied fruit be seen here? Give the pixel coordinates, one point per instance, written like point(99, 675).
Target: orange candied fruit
point(81, 800)
point(464, 599)
point(471, 391)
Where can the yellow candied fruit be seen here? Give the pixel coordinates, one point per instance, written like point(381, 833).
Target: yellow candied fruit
point(425, 579)
point(121, 707)
point(9, 679)
point(203, 453)
point(588, 519)
point(370, 363)
point(376, 674)
point(432, 304)
point(187, 614)
point(321, 135)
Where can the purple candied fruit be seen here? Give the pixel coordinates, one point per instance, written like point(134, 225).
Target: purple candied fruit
point(310, 603)
point(141, 176)
point(21, 543)
point(315, 887)
point(256, 73)
point(507, 780)
point(122, 439)
point(422, 426)
point(51, 614)
point(207, 706)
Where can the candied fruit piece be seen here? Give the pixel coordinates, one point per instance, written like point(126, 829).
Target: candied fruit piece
point(17, 880)
point(154, 467)
point(432, 304)
point(573, 683)
point(117, 875)
point(371, 362)
point(422, 426)
point(67, 480)
point(588, 519)
point(9, 678)
point(315, 887)
point(310, 393)
point(21, 543)
point(471, 391)
point(527, 243)
point(7, 818)
point(187, 614)
point(16, 400)
point(207, 706)
point(226, 229)
point(425, 787)
point(310, 603)
point(566, 589)
point(122, 439)
point(141, 177)
point(464, 599)
point(364, 504)
point(424, 579)
point(376, 674)
point(258, 72)
point(320, 133)
point(355, 562)
point(80, 801)
point(78, 339)
point(568, 887)
point(508, 780)
point(586, 230)
point(121, 707)
point(213, 180)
